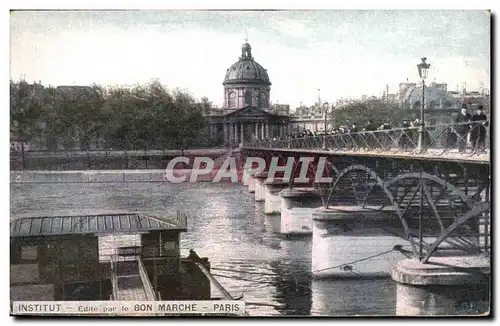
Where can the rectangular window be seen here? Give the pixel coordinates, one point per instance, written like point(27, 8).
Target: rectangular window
point(29, 253)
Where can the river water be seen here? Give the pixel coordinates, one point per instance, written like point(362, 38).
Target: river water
point(247, 254)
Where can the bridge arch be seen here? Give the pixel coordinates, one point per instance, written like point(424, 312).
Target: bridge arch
point(479, 208)
point(388, 194)
point(312, 168)
point(452, 190)
point(449, 191)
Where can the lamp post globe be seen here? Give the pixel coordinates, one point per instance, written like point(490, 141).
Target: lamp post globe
point(423, 68)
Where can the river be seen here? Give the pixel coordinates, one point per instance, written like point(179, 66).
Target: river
point(247, 254)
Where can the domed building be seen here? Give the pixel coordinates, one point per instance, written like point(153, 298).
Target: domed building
point(246, 83)
point(247, 113)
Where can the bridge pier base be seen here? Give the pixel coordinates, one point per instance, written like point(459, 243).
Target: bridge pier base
point(246, 180)
point(251, 183)
point(444, 286)
point(259, 179)
point(353, 241)
point(272, 197)
point(297, 206)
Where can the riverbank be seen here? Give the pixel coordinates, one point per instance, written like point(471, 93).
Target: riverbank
point(117, 176)
point(105, 160)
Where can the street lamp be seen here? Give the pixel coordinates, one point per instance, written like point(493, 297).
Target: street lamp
point(325, 110)
point(423, 69)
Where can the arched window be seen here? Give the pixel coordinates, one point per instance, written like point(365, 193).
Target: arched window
point(232, 100)
point(262, 100)
point(248, 98)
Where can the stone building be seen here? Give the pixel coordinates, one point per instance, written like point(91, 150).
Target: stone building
point(441, 104)
point(247, 113)
point(436, 96)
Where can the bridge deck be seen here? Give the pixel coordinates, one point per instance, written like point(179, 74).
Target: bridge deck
point(432, 155)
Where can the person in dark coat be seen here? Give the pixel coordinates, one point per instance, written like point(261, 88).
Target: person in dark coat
point(404, 140)
point(370, 126)
point(478, 131)
point(194, 256)
point(462, 127)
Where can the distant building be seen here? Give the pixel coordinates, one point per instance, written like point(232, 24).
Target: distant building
point(436, 97)
point(74, 89)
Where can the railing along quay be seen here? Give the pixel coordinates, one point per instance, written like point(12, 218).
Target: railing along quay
point(439, 140)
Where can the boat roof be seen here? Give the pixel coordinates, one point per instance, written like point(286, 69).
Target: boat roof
point(94, 224)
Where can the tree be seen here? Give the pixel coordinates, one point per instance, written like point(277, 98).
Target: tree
point(375, 110)
point(145, 116)
point(25, 109)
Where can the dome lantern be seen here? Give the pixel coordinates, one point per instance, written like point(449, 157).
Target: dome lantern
point(246, 52)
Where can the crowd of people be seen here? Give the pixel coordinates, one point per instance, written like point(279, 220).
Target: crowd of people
point(468, 128)
point(472, 128)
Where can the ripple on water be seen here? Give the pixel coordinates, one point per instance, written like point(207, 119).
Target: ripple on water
point(226, 225)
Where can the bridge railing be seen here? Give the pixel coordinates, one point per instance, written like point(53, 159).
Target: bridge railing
point(463, 138)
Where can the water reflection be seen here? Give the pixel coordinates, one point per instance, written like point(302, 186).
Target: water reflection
point(294, 285)
point(353, 297)
point(225, 224)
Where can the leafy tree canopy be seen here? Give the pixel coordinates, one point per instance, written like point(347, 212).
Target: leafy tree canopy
point(147, 116)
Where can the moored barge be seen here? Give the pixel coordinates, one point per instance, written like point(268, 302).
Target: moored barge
point(85, 258)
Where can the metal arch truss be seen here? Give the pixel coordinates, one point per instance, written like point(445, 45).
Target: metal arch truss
point(451, 220)
point(323, 188)
point(439, 140)
point(312, 169)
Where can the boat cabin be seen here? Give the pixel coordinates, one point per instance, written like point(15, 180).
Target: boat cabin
point(128, 256)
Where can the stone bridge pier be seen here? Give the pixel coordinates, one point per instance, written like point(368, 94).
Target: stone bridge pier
point(351, 241)
point(457, 285)
point(423, 218)
point(297, 206)
point(272, 198)
point(259, 187)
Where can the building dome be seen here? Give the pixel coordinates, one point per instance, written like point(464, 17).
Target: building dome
point(246, 70)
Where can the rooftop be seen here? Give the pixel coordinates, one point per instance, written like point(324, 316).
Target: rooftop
point(94, 224)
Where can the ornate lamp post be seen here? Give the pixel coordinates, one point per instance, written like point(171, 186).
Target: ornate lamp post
point(325, 110)
point(423, 69)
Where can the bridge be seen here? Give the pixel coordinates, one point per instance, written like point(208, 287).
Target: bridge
point(439, 195)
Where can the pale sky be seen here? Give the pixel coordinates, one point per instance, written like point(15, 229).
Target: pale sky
point(342, 53)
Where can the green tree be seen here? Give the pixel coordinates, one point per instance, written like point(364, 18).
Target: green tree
point(373, 110)
point(25, 109)
point(142, 117)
